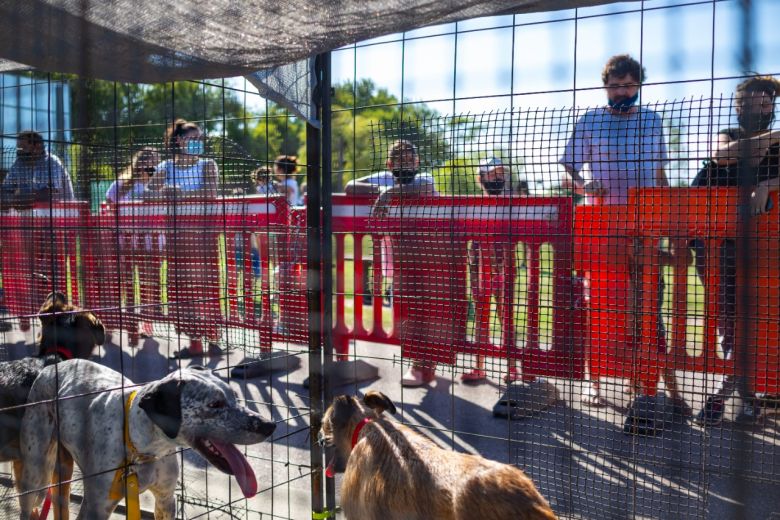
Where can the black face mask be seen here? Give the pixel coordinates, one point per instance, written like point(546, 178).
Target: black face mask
point(25, 156)
point(755, 122)
point(403, 175)
point(493, 187)
point(625, 104)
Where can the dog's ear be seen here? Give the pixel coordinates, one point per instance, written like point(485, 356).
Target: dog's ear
point(379, 402)
point(54, 300)
point(162, 404)
point(341, 410)
point(93, 324)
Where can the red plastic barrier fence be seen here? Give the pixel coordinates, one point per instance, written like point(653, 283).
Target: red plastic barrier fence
point(210, 260)
point(431, 268)
point(603, 250)
point(43, 249)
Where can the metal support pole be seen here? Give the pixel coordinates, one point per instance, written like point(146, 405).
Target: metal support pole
point(326, 186)
point(314, 291)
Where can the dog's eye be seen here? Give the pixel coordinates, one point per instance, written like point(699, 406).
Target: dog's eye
point(217, 404)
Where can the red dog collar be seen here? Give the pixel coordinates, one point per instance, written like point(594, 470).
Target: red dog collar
point(62, 351)
point(358, 429)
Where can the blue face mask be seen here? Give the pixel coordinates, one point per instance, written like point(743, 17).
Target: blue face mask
point(624, 104)
point(194, 147)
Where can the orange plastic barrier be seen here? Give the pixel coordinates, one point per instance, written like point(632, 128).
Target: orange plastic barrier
point(605, 252)
point(711, 215)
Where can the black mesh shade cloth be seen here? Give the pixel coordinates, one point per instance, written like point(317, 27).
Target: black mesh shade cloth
point(166, 40)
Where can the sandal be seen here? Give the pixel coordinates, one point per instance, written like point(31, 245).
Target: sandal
point(475, 376)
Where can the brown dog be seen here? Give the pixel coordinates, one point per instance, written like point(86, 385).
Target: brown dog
point(392, 472)
point(66, 332)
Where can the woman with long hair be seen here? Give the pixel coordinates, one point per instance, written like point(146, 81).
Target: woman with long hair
point(193, 264)
point(187, 172)
point(285, 167)
point(132, 182)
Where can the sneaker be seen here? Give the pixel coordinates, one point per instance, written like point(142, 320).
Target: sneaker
point(512, 376)
point(591, 396)
point(415, 377)
point(475, 376)
point(749, 412)
point(712, 413)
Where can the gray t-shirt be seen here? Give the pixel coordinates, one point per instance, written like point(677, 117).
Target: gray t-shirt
point(622, 151)
point(32, 177)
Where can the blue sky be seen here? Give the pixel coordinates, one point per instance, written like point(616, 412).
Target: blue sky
point(675, 43)
point(690, 49)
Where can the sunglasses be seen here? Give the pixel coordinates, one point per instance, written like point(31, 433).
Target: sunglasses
point(149, 170)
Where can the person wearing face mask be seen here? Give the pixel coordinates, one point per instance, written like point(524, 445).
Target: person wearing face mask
point(413, 286)
point(487, 266)
point(192, 253)
point(373, 184)
point(36, 175)
point(755, 110)
point(139, 248)
point(622, 145)
point(186, 173)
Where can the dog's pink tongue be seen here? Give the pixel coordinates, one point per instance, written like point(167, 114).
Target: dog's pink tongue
point(239, 466)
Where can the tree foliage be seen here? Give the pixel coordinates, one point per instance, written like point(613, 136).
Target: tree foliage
point(112, 119)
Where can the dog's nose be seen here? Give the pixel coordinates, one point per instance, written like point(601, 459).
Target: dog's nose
point(263, 427)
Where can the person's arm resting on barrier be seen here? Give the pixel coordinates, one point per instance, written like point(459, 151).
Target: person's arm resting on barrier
point(360, 187)
point(410, 190)
point(726, 150)
point(210, 175)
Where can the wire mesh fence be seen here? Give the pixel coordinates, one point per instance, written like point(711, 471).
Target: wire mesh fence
point(584, 291)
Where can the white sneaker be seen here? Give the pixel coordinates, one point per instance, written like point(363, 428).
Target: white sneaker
point(415, 377)
point(591, 396)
